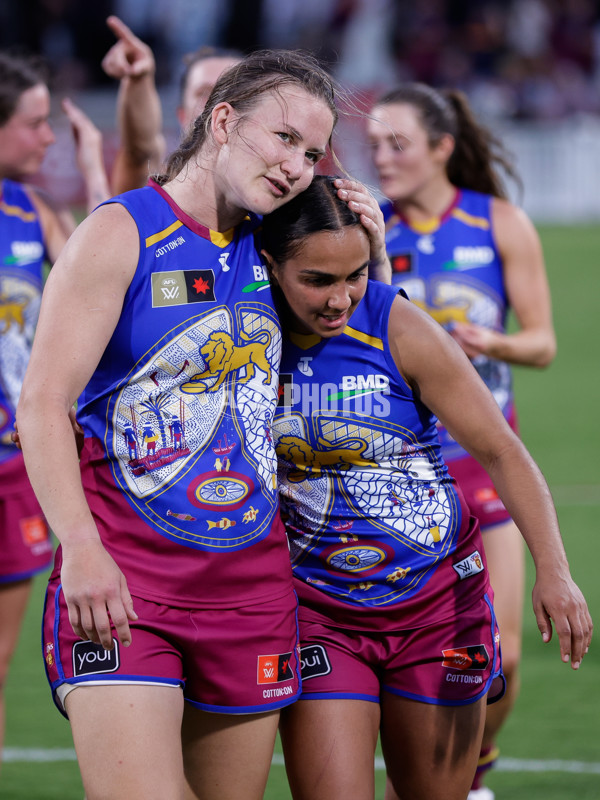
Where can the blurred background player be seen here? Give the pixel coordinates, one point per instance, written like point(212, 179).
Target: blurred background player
point(33, 230)
point(142, 144)
point(466, 255)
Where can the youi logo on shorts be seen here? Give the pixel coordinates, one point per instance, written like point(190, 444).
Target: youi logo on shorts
point(90, 658)
point(274, 669)
point(314, 661)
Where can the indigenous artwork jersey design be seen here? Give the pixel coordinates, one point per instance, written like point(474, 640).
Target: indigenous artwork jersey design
point(22, 254)
point(373, 518)
point(179, 462)
point(451, 268)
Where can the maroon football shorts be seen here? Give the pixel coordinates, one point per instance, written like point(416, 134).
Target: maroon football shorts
point(25, 541)
point(452, 662)
point(234, 661)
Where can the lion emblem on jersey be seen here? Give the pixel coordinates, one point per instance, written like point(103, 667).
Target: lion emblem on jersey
point(309, 463)
point(12, 312)
point(222, 357)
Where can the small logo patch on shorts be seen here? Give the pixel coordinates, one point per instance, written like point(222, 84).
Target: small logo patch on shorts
point(34, 530)
point(274, 669)
point(90, 658)
point(314, 661)
point(473, 657)
point(469, 566)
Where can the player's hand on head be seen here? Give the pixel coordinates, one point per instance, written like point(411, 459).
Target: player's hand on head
point(129, 56)
point(362, 202)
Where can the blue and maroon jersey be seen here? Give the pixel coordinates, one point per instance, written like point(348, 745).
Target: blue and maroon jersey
point(22, 254)
point(179, 465)
point(379, 532)
point(451, 268)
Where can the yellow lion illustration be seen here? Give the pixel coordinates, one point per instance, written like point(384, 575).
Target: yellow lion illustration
point(222, 357)
point(309, 463)
point(12, 311)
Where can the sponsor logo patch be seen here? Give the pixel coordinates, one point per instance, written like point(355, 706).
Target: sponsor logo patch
point(314, 661)
point(180, 287)
point(90, 658)
point(274, 669)
point(471, 565)
point(34, 530)
point(284, 393)
point(402, 262)
point(472, 657)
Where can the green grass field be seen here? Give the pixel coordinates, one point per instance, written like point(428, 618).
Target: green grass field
point(551, 744)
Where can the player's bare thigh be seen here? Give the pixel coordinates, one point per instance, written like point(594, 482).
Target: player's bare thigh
point(228, 756)
point(430, 750)
point(128, 741)
point(329, 748)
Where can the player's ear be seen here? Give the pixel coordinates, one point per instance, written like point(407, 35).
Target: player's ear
point(270, 265)
point(222, 118)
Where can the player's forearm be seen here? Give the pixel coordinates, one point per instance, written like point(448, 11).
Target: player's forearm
point(526, 496)
point(139, 117)
point(535, 348)
point(97, 188)
point(52, 464)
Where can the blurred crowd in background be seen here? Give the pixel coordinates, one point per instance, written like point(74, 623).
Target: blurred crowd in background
point(530, 69)
point(516, 59)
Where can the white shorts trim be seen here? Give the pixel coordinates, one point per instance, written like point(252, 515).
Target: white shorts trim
point(65, 688)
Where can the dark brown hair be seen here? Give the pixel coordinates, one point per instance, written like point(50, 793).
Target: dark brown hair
point(478, 158)
point(314, 210)
point(18, 73)
point(244, 84)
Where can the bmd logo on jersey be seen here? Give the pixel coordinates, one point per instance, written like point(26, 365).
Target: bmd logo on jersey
point(90, 658)
point(180, 287)
point(470, 257)
point(274, 669)
point(314, 661)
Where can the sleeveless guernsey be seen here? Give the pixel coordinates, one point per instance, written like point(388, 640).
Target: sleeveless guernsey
point(22, 253)
point(379, 533)
point(452, 269)
point(178, 465)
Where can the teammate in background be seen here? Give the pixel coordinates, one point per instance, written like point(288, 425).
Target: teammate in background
point(397, 627)
point(90, 159)
point(139, 113)
point(33, 230)
point(466, 255)
point(159, 555)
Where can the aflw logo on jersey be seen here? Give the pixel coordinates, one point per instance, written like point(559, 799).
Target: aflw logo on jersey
point(183, 286)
